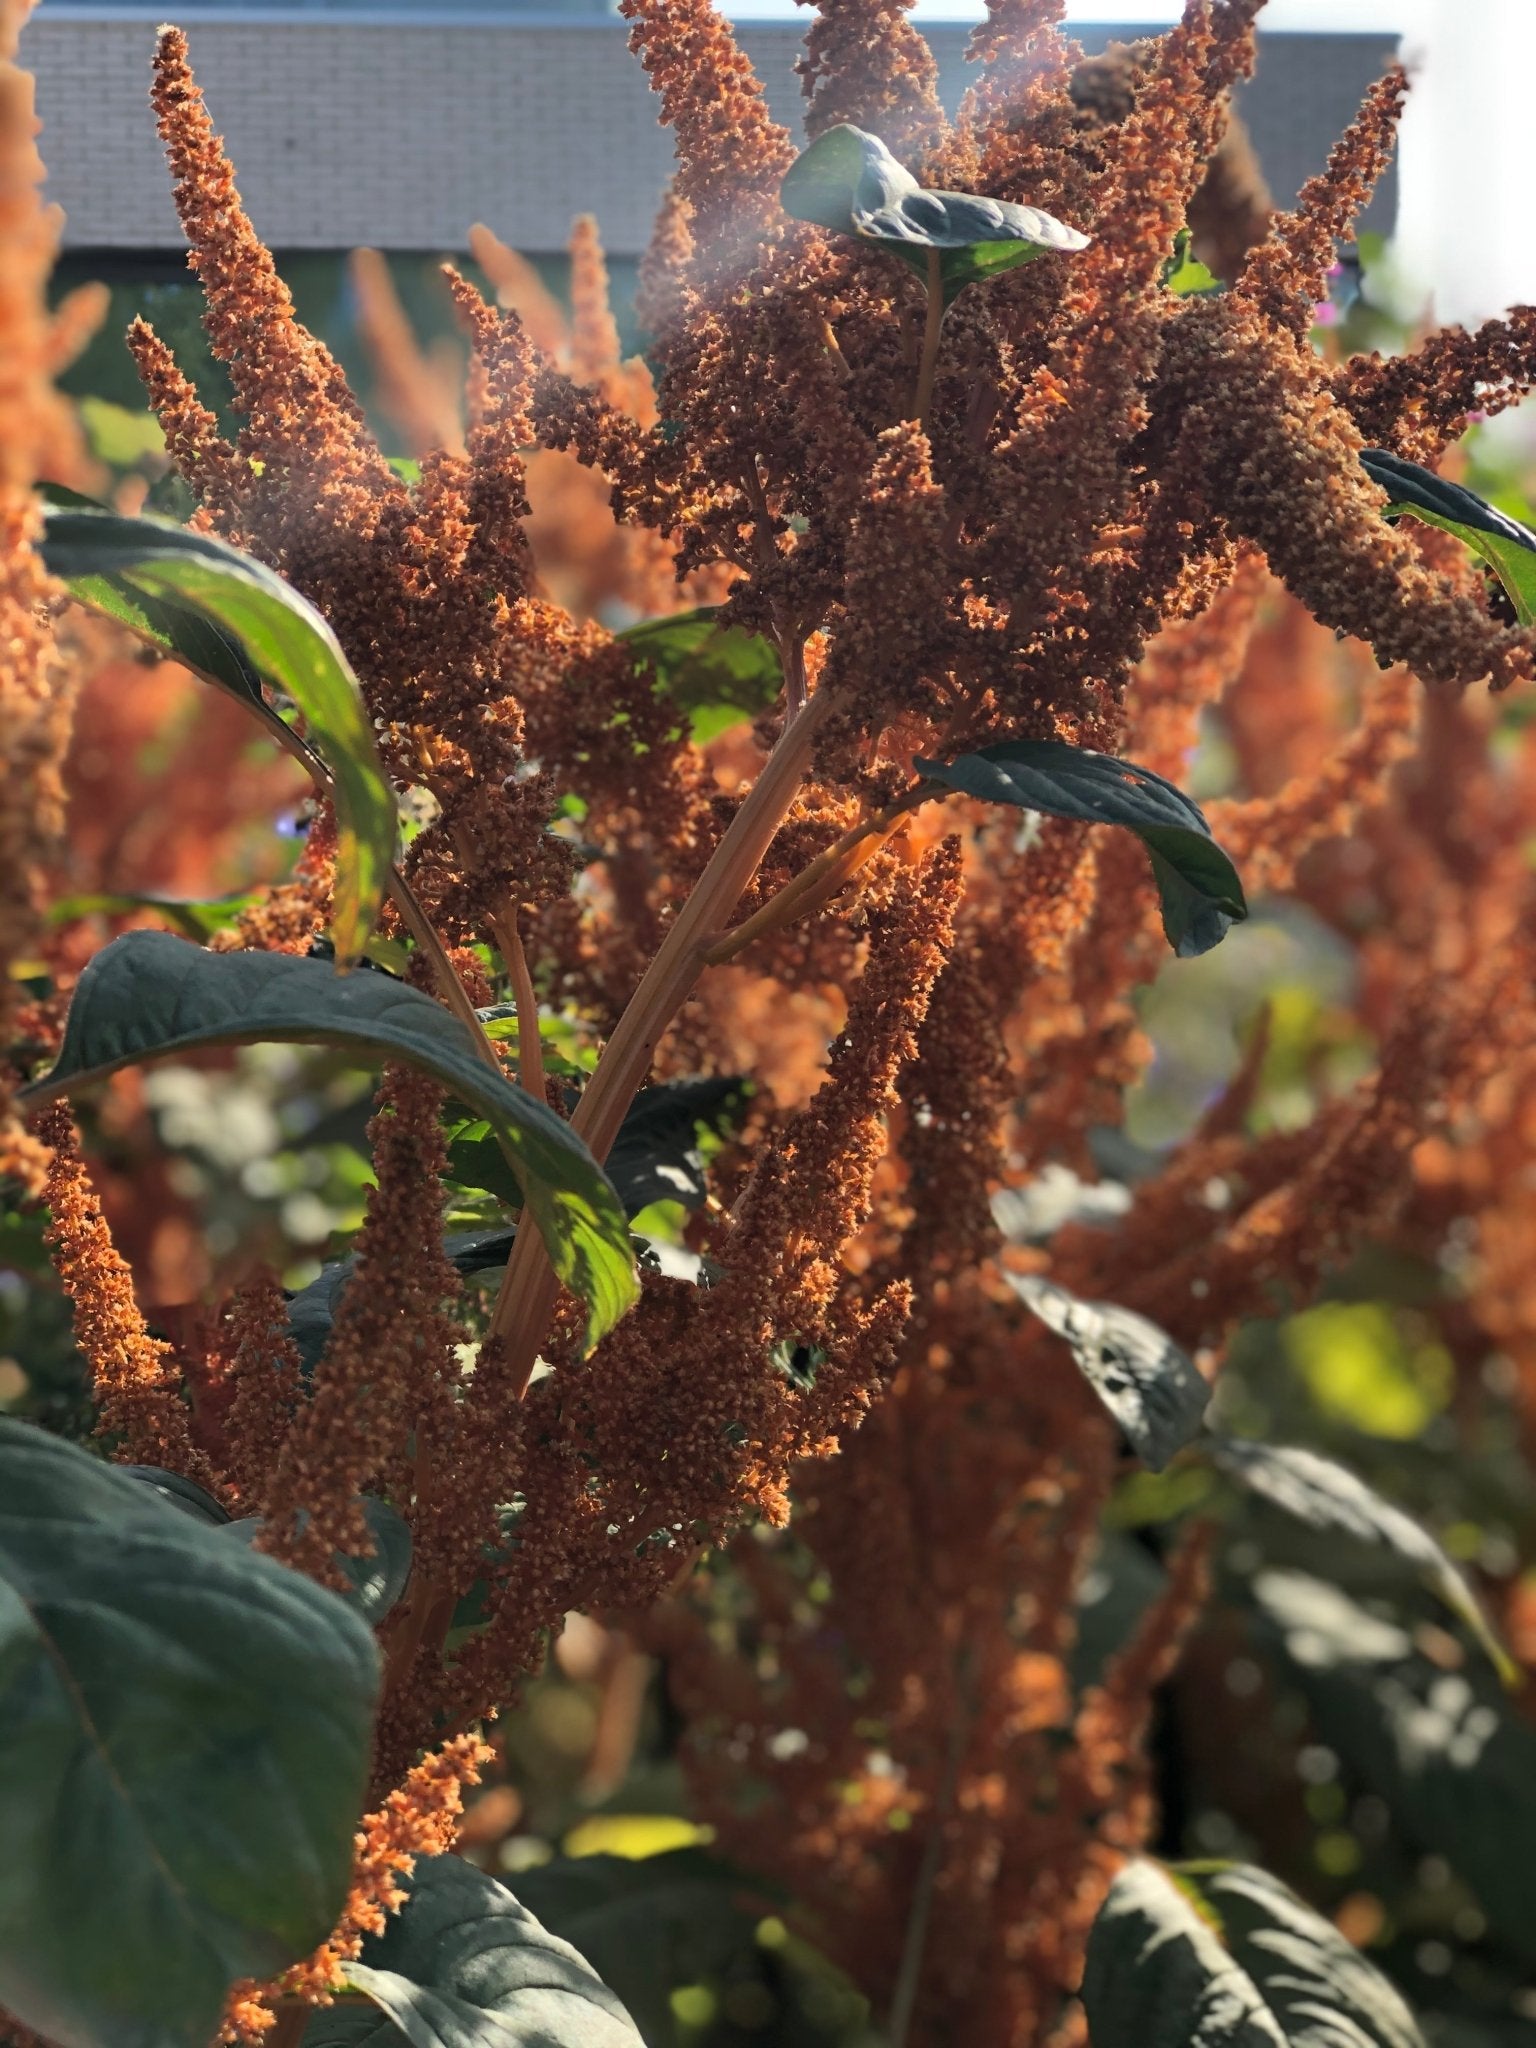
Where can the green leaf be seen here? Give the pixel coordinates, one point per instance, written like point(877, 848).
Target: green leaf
point(648, 1924)
point(718, 674)
point(849, 181)
point(377, 1581)
point(241, 627)
point(1184, 274)
point(185, 1731)
point(149, 994)
point(1454, 1764)
point(194, 919)
point(1153, 1389)
point(1505, 545)
point(655, 1158)
point(1199, 887)
point(1203, 1956)
point(312, 1310)
point(1321, 1494)
point(183, 1494)
point(463, 1965)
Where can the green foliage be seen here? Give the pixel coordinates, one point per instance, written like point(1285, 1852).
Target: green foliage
point(1201, 894)
point(148, 995)
point(1201, 1955)
point(718, 674)
point(1152, 1388)
point(849, 181)
point(1507, 546)
point(184, 1732)
point(464, 1965)
point(232, 621)
point(1327, 1496)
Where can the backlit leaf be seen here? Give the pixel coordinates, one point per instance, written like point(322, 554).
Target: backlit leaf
point(240, 626)
point(1505, 545)
point(148, 995)
point(718, 674)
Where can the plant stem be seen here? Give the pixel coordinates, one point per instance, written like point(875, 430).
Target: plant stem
point(530, 1047)
point(452, 990)
point(928, 369)
point(523, 1307)
point(821, 880)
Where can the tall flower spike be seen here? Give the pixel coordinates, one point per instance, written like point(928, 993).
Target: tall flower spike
point(35, 695)
point(1288, 273)
point(731, 155)
point(595, 350)
point(288, 384)
point(135, 1384)
point(864, 62)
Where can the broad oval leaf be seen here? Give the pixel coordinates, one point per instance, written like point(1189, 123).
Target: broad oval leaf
point(1508, 547)
point(1153, 1389)
point(184, 1738)
point(240, 626)
point(312, 1309)
point(149, 994)
point(718, 674)
point(849, 181)
point(377, 1581)
point(183, 1494)
point(1325, 1495)
point(463, 1965)
point(1167, 1968)
point(1199, 887)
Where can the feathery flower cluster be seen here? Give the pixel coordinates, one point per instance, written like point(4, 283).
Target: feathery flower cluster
point(1098, 532)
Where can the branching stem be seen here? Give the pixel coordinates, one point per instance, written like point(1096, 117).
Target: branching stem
point(527, 1296)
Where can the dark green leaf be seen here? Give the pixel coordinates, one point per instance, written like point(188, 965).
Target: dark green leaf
point(1324, 1495)
point(1200, 890)
point(718, 674)
point(149, 994)
point(377, 1581)
point(312, 1310)
point(849, 181)
point(649, 1924)
point(1505, 545)
point(1164, 1971)
point(464, 1965)
point(177, 1492)
point(184, 1741)
point(236, 623)
point(1152, 1388)
point(1454, 1765)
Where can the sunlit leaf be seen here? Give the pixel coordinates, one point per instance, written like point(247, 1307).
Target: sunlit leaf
point(1224, 1956)
point(1153, 1389)
point(1505, 545)
point(464, 1965)
point(1322, 1494)
point(1200, 890)
point(849, 181)
point(234, 622)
